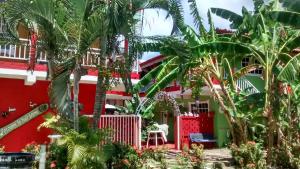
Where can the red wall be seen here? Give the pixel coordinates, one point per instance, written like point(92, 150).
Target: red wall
point(13, 93)
point(190, 124)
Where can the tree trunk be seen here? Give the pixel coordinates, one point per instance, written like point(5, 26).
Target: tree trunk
point(268, 111)
point(100, 97)
point(229, 119)
point(77, 76)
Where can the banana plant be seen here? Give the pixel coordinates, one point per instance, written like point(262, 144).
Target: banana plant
point(271, 44)
point(189, 59)
point(290, 16)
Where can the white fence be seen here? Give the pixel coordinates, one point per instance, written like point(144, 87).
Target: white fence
point(125, 128)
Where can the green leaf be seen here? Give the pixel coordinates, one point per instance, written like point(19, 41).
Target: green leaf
point(257, 5)
point(148, 78)
point(228, 71)
point(163, 83)
point(224, 47)
point(293, 5)
point(287, 18)
point(229, 15)
point(290, 71)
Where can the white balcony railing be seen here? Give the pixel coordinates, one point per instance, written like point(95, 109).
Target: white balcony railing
point(23, 50)
point(244, 84)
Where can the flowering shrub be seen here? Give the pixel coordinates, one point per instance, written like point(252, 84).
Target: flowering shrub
point(248, 156)
point(157, 155)
point(57, 156)
point(192, 157)
point(286, 157)
point(125, 156)
point(33, 148)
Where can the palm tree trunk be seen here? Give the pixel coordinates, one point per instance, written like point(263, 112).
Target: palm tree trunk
point(100, 97)
point(77, 76)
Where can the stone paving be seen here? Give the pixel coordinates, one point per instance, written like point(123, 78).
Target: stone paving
point(220, 158)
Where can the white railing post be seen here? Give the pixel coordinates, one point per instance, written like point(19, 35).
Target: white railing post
point(178, 131)
point(127, 129)
point(139, 132)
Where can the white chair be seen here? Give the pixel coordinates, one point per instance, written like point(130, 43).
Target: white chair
point(161, 134)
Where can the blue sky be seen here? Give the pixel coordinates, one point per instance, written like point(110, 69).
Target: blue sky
point(155, 22)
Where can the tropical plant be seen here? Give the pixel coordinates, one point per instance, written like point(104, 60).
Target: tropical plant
point(268, 44)
point(33, 148)
point(291, 16)
point(84, 148)
point(248, 156)
point(122, 21)
point(271, 44)
point(195, 68)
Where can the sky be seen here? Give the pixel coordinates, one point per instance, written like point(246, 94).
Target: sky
point(155, 22)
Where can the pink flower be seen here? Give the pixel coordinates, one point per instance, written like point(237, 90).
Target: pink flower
point(53, 164)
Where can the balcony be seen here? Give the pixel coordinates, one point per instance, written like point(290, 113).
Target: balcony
point(21, 53)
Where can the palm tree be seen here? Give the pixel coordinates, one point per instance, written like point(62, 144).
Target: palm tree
point(121, 20)
point(72, 26)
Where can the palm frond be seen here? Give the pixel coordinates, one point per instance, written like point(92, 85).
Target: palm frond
point(59, 91)
point(197, 17)
point(174, 9)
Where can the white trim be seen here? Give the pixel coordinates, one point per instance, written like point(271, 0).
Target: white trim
point(41, 75)
point(190, 105)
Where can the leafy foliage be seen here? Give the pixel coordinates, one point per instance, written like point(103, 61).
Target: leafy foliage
point(83, 149)
point(248, 156)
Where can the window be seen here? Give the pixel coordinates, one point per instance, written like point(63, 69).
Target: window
point(203, 107)
point(245, 62)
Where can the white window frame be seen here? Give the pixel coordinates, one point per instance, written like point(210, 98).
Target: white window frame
point(252, 73)
point(206, 101)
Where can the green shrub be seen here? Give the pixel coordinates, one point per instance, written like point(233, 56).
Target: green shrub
point(122, 156)
point(286, 157)
point(33, 148)
point(57, 156)
point(248, 156)
point(193, 157)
